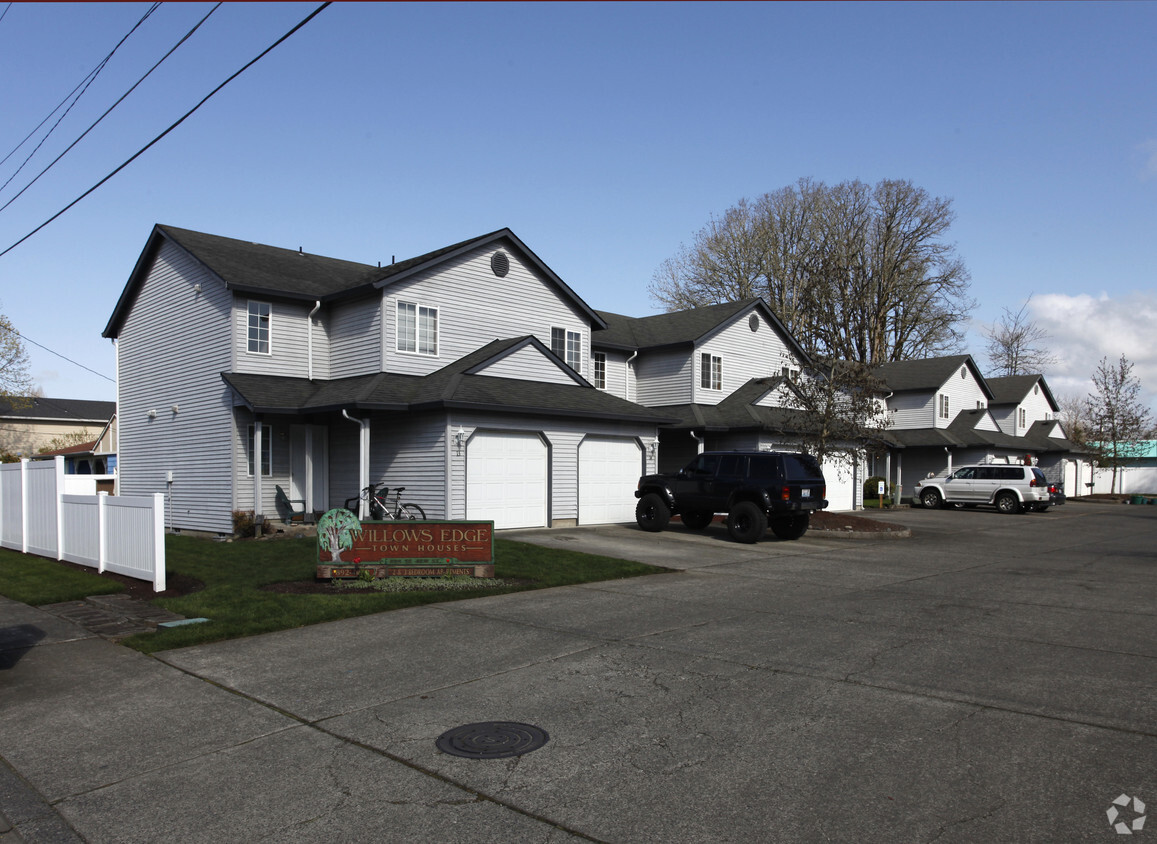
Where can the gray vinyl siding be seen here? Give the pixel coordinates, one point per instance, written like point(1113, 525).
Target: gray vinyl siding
point(528, 364)
point(476, 307)
point(410, 451)
point(171, 350)
point(243, 482)
point(745, 354)
point(963, 394)
point(288, 340)
point(355, 338)
point(912, 410)
point(664, 377)
point(620, 375)
point(563, 439)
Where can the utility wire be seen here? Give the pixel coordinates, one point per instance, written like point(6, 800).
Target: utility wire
point(187, 114)
point(59, 355)
point(106, 114)
point(88, 80)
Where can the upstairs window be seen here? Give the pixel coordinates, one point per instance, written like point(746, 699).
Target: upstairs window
point(1023, 418)
point(710, 372)
point(417, 329)
point(943, 406)
point(259, 327)
point(600, 362)
point(568, 346)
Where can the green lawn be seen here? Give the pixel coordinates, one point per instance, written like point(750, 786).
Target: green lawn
point(234, 572)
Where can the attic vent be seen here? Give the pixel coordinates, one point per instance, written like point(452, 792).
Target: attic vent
point(964, 372)
point(500, 264)
point(753, 323)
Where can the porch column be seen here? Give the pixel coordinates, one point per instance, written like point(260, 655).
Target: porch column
point(363, 461)
point(258, 471)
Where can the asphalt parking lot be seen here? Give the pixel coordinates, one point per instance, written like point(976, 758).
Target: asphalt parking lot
point(991, 678)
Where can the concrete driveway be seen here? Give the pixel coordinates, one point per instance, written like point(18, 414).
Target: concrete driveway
point(992, 678)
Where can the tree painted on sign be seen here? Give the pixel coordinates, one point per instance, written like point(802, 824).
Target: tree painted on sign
point(336, 531)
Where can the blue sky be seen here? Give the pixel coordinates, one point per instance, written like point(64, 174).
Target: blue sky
point(604, 134)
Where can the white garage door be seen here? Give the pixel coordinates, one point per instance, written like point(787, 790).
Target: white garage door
point(609, 471)
point(506, 479)
point(841, 485)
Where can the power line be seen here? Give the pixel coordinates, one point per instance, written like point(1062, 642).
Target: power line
point(182, 119)
point(88, 80)
point(106, 114)
point(59, 355)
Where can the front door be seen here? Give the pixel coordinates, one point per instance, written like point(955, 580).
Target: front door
point(309, 466)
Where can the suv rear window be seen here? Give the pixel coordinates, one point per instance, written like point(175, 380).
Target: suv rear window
point(732, 465)
point(800, 467)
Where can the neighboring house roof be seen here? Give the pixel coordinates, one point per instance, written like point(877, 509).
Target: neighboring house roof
point(255, 268)
point(679, 328)
point(1013, 389)
point(1039, 433)
point(83, 448)
point(929, 375)
point(41, 409)
point(452, 387)
point(963, 427)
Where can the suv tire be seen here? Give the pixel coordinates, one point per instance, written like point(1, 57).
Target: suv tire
point(791, 528)
point(652, 513)
point(697, 519)
point(931, 499)
point(1006, 502)
point(746, 522)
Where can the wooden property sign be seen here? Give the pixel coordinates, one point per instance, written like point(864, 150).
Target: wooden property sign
point(347, 547)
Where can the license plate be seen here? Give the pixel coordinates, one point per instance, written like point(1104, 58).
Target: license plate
point(805, 493)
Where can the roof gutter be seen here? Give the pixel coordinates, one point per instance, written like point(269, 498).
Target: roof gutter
point(309, 334)
point(363, 461)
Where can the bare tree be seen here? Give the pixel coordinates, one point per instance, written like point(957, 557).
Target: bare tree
point(1074, 413)
point(844, 408)
point(1016, 345)
point(15, 382)
point(1120, 422)
point(854, 272)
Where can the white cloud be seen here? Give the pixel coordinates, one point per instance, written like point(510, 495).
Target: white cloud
point(1083, 329)
point(1149, 166)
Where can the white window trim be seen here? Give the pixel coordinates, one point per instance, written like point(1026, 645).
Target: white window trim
point(708, 373)
point(567, 334)
point(269, 329)
point(942, 406)
point(598, 358)
point(266, 446)
point(418, 308)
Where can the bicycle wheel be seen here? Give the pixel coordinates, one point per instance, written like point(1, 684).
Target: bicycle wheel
point(412, 511)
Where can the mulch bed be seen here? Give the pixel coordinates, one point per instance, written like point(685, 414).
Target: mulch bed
point(846, 521)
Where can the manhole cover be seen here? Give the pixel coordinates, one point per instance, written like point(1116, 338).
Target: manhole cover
point(492, 740)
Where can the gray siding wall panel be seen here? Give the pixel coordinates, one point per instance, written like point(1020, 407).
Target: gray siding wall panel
point(171, 350)
point(355, 338)
point(745, 354)
point(476, 307)
point(664, 378)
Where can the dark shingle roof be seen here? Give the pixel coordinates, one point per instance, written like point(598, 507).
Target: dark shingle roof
point(269, 270)
point(1013, 389)
point(904, 376)
point(679, 328)
point(449, 387)
point(64, 410)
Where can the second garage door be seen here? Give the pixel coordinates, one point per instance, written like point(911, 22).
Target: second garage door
point(506, 479)
point(609, 470)
point(841, 485)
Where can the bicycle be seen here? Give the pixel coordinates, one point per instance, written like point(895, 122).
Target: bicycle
point(382, 508)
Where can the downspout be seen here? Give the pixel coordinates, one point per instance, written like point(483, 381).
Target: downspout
point(363, 461)
point(699, 440)
point(309, 335)
point(949, 453)
point(634, 355)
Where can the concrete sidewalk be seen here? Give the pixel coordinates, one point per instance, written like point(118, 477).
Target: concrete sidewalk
point(989, 679)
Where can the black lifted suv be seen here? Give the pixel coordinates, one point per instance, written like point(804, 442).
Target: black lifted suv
point(754, 488)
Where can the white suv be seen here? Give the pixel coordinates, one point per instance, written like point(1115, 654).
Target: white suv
point(1010, 487)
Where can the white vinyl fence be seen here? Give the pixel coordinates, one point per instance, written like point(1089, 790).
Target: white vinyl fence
point(117, 533)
